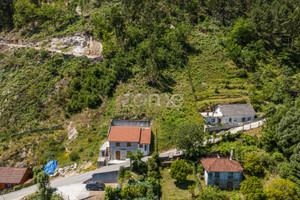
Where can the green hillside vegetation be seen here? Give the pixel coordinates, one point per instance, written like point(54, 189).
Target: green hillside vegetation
point(202, 52)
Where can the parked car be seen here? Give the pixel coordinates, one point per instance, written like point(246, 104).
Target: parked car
point(95, 186)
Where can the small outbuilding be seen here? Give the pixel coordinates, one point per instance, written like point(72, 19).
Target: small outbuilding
point(222, 172)
point(12, 176)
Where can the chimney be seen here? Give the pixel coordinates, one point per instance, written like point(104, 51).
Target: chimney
point(231, 153)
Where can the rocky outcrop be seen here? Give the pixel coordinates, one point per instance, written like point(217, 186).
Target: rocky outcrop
point(79, 44)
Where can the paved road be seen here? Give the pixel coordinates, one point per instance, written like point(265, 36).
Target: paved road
point(72, 186)
point(68, 186)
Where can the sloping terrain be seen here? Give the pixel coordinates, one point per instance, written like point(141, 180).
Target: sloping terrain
point(163, 62)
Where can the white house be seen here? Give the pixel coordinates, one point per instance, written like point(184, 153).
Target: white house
point(230, 114)
point(124, 137)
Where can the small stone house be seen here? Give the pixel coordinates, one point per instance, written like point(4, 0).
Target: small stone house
point(125, 136)
point(12, 176)
point(222, 172)
point(230, 114)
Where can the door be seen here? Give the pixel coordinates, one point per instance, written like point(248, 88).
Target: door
point(118, 155)
point(229, 186)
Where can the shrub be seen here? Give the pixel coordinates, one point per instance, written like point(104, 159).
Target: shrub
point(61, 147)
point(74, 156)
point(252, 164)
point(121, 172)
point(142, 190)
point(17, 187)
point(179, 170)
point(111, 193)
point(242, 73)
point(212, 193)
point(141, 178)
point(281, 189)
point(80, 149)
point(91, 154)
point(284, 170)
point(36, 170)
point(252, 188)
point(4, 147)
point(216, 90)
point(278, 157)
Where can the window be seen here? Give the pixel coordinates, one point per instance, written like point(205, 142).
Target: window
point(230, 120)
point(235, 119)
point(213, 120)
point(128, 144)
point(8, 186)
point(209, 174)
point(230, 174)
point(141, 146)
point(217, 174)
point(249, 118)
point(118, 144)
point(103, 154)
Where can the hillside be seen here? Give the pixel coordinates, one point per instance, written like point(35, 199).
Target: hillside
point(165, 62)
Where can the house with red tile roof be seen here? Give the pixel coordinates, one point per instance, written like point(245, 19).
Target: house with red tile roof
point(125, 136)
point(12, 176)
point(222, 172)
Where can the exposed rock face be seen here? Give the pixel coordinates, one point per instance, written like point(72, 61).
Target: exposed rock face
point(78, 44)
point(72, 132)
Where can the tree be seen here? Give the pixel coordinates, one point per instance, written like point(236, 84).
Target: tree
point(252, 188)
point(288, 136)
point(295, 166)
point(24, 12)
point(281, 189)
point(121, 172)
point(111, 193)
point(252, 164)
point(212, 193)
point(137, 164)
point(189, 136)
point(179, 170)
point(45, 192)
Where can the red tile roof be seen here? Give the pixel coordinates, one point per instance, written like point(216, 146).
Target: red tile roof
point(11, 174)
point(29, 181)
point(221, 165)
point(146, 136)
point(129, 134)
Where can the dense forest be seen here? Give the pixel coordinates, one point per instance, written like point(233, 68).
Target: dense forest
point(209, 51)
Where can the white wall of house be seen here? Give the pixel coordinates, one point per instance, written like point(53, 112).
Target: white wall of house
point(205, 177)
point(228, 120)
point(145, 149)
point(218, 117)
point(123, 148)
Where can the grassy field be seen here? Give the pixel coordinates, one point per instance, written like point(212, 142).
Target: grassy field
point(173, 190)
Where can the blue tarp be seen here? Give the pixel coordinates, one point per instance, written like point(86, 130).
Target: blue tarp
point(50, 167)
